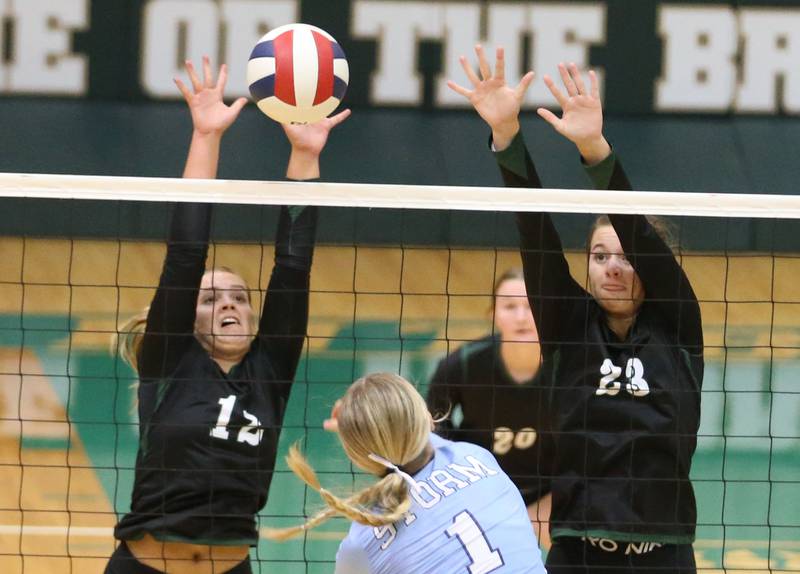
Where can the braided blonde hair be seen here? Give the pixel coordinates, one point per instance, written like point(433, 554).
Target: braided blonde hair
point(380, 414)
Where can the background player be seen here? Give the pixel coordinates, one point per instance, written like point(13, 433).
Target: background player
point(213, 390)
point(498, 385)
point(627, 354)
point(439, 507)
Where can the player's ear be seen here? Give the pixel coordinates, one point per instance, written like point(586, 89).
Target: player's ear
point(433, 423)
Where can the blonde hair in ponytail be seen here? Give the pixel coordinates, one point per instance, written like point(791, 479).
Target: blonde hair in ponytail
point(389, 493)
point(380, 414)
point(128, 339)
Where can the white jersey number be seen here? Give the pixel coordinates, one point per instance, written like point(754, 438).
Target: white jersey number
point(634, 373)
point(251, 433)
point(483, 558)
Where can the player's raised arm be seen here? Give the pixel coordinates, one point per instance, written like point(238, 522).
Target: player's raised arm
point(211, 117)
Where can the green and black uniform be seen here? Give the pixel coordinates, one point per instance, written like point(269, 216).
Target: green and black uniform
point(208, 439)
point(625, 412)
point(503, 416)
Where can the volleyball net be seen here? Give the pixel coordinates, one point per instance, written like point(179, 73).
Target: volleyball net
point(402, 275)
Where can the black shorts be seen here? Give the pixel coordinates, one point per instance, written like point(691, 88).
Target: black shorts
point(602, 556)
point(124, 562)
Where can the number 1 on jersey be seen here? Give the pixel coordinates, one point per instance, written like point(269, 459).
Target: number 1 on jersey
point(221, 429)
point(483, 558)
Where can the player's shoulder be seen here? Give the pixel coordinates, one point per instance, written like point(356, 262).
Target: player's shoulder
point(478, 347)
point(469, 351)
point(448, 451)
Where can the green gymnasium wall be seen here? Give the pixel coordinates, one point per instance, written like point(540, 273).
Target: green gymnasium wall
point(729, 155)
point(86, 88)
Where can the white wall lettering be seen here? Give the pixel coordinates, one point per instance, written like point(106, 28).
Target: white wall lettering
point(43, 60)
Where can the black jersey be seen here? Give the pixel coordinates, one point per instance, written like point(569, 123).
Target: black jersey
point(208, 439)
point(626, 413)
point(499, 414)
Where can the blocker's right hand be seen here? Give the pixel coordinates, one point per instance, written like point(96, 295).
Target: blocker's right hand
point(331, 424)
point(210, 115)
point(495, 101)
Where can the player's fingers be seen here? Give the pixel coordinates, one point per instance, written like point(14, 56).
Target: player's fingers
point(500, 64)
point(575, 73)
point(595, 84)
point(557, 94)
point(524, 84)
point(471, 75)
point(569, 85)
point(549, 117)
point(222, 80)
point(183, 89)
point(208, 76)
point(339, 118)
point(193, 76)
point(458, 89)
point(238, 105)
point(483, 64)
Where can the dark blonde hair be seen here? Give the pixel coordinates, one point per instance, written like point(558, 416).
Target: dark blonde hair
point(127, 340)
point(380, 414)
point(510, 274)
point(663, 227)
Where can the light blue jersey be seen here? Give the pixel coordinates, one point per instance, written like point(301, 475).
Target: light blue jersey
point(467, 518)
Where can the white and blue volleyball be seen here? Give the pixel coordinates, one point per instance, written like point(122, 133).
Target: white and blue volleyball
point(297, 74)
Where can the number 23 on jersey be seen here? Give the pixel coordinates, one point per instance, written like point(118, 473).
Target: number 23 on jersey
point(634, 373)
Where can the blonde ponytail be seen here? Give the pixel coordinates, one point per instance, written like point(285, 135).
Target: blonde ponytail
point(383, 422)
point(389, 494)
point(128, 339)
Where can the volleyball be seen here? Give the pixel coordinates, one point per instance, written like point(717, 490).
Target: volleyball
point(297, 74)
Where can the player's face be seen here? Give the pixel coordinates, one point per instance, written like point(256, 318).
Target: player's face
point(612, 280)
point(513, 318)
point(224, 319)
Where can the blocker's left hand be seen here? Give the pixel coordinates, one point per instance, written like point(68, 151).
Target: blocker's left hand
point(581, 119)
point(311, 138)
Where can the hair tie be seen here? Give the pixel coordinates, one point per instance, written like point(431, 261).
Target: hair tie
point(394, 468)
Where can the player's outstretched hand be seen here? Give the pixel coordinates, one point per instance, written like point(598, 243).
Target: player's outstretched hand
point(311, 138)
point(308, 141)
point(494, 100)
point(210, 115)
point(331, 424)
point(581, 120)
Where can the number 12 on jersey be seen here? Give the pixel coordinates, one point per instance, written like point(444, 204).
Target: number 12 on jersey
point(251, 433)
point(483, 558)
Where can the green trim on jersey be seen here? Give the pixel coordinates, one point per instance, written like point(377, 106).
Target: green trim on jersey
point(687, 361)
point(471, 348)
point(600, 173)
point(513, 157)
point(623, 536)
point(295, 211)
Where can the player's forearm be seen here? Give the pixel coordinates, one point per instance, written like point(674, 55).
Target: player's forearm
point(303, 165)
point(203, 158)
